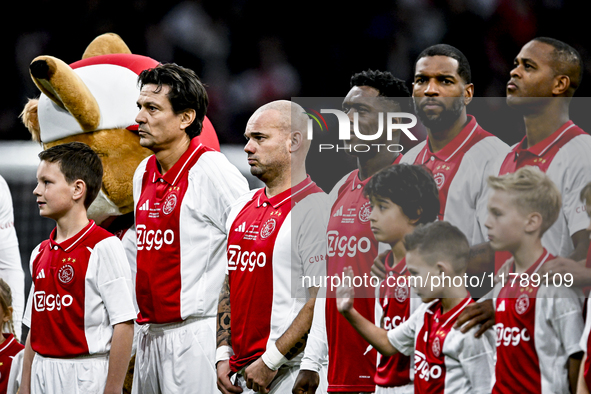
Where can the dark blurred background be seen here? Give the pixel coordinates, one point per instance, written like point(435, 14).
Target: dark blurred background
point(252, 52)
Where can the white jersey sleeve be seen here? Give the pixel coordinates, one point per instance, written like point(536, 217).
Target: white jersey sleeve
point(11, 270)
point(29, 305)
point(403, 337)
point(571, 176)
point(316, 351)
point(16, 372)
point(113, 278)
point(562, 309)
point(310, 217)
point(227, 182)
point(477, 359)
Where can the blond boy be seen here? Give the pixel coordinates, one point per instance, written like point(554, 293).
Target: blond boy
point(538, 318)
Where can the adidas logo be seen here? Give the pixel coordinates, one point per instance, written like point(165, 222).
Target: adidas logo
point(241, 228)
point(501, 307)
point(145, 206)
point(41, 274)
point(339, 212)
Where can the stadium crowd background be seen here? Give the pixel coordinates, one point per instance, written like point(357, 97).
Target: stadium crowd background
point(250, 53)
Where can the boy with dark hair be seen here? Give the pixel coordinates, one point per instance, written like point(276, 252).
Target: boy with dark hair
point(539, 324)
point(80, 309)
point(402, 197)
point(446, 361)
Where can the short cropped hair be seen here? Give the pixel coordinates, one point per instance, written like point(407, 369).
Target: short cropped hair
point(449, 51)
point(534, 191)
point(567, 60)
point(77, 160)
point(386, 84)
point(186, 91)
point(440, 241)
point(411, 187)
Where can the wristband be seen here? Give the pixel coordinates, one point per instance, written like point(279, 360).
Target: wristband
point(273, 358)
point(223, 353)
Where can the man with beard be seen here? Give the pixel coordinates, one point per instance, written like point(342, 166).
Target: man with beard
point(459, 153)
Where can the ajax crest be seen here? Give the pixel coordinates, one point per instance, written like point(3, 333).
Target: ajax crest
point(436, 347)
point(439, 179)
point(364, 212)
point(401, 293)
point(521, 304)
point(66, 274)
point(169, 204)
point(268, 228)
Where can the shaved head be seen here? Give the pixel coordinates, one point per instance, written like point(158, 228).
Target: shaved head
point(291, 115)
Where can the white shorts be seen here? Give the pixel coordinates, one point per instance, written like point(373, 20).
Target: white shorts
point(176, 358)
point(82, 375)
point(281, 384)
point(408, 389)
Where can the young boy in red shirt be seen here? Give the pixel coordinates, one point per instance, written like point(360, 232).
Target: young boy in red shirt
point(80, 309)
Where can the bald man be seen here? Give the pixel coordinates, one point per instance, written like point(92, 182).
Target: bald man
point(276, 245)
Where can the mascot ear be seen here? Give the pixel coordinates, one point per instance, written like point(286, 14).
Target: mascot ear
point(31, 119)
point(65, 88)
point(106, 44)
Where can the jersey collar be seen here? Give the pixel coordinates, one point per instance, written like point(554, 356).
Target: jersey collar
point(455, 145)
point(535, 266)
point(173, 175)
point(283, 197)
point(543, 146)
point(8, 339)
point(398, 269)
point(71, 242)
point(452, 314)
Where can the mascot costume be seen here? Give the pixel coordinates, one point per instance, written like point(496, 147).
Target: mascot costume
point(93, 101)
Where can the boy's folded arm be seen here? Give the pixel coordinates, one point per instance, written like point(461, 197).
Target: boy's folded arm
point(376, 336)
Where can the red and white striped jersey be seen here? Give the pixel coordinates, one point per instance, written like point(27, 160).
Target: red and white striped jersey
point(445, 360)
point(351, 361)
point(564, 157)
point(8, 350)
point(273, 245)
point(180, 233)
point(538, 328)
point(394, 306)
point(81, 288)
point(461, 170)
